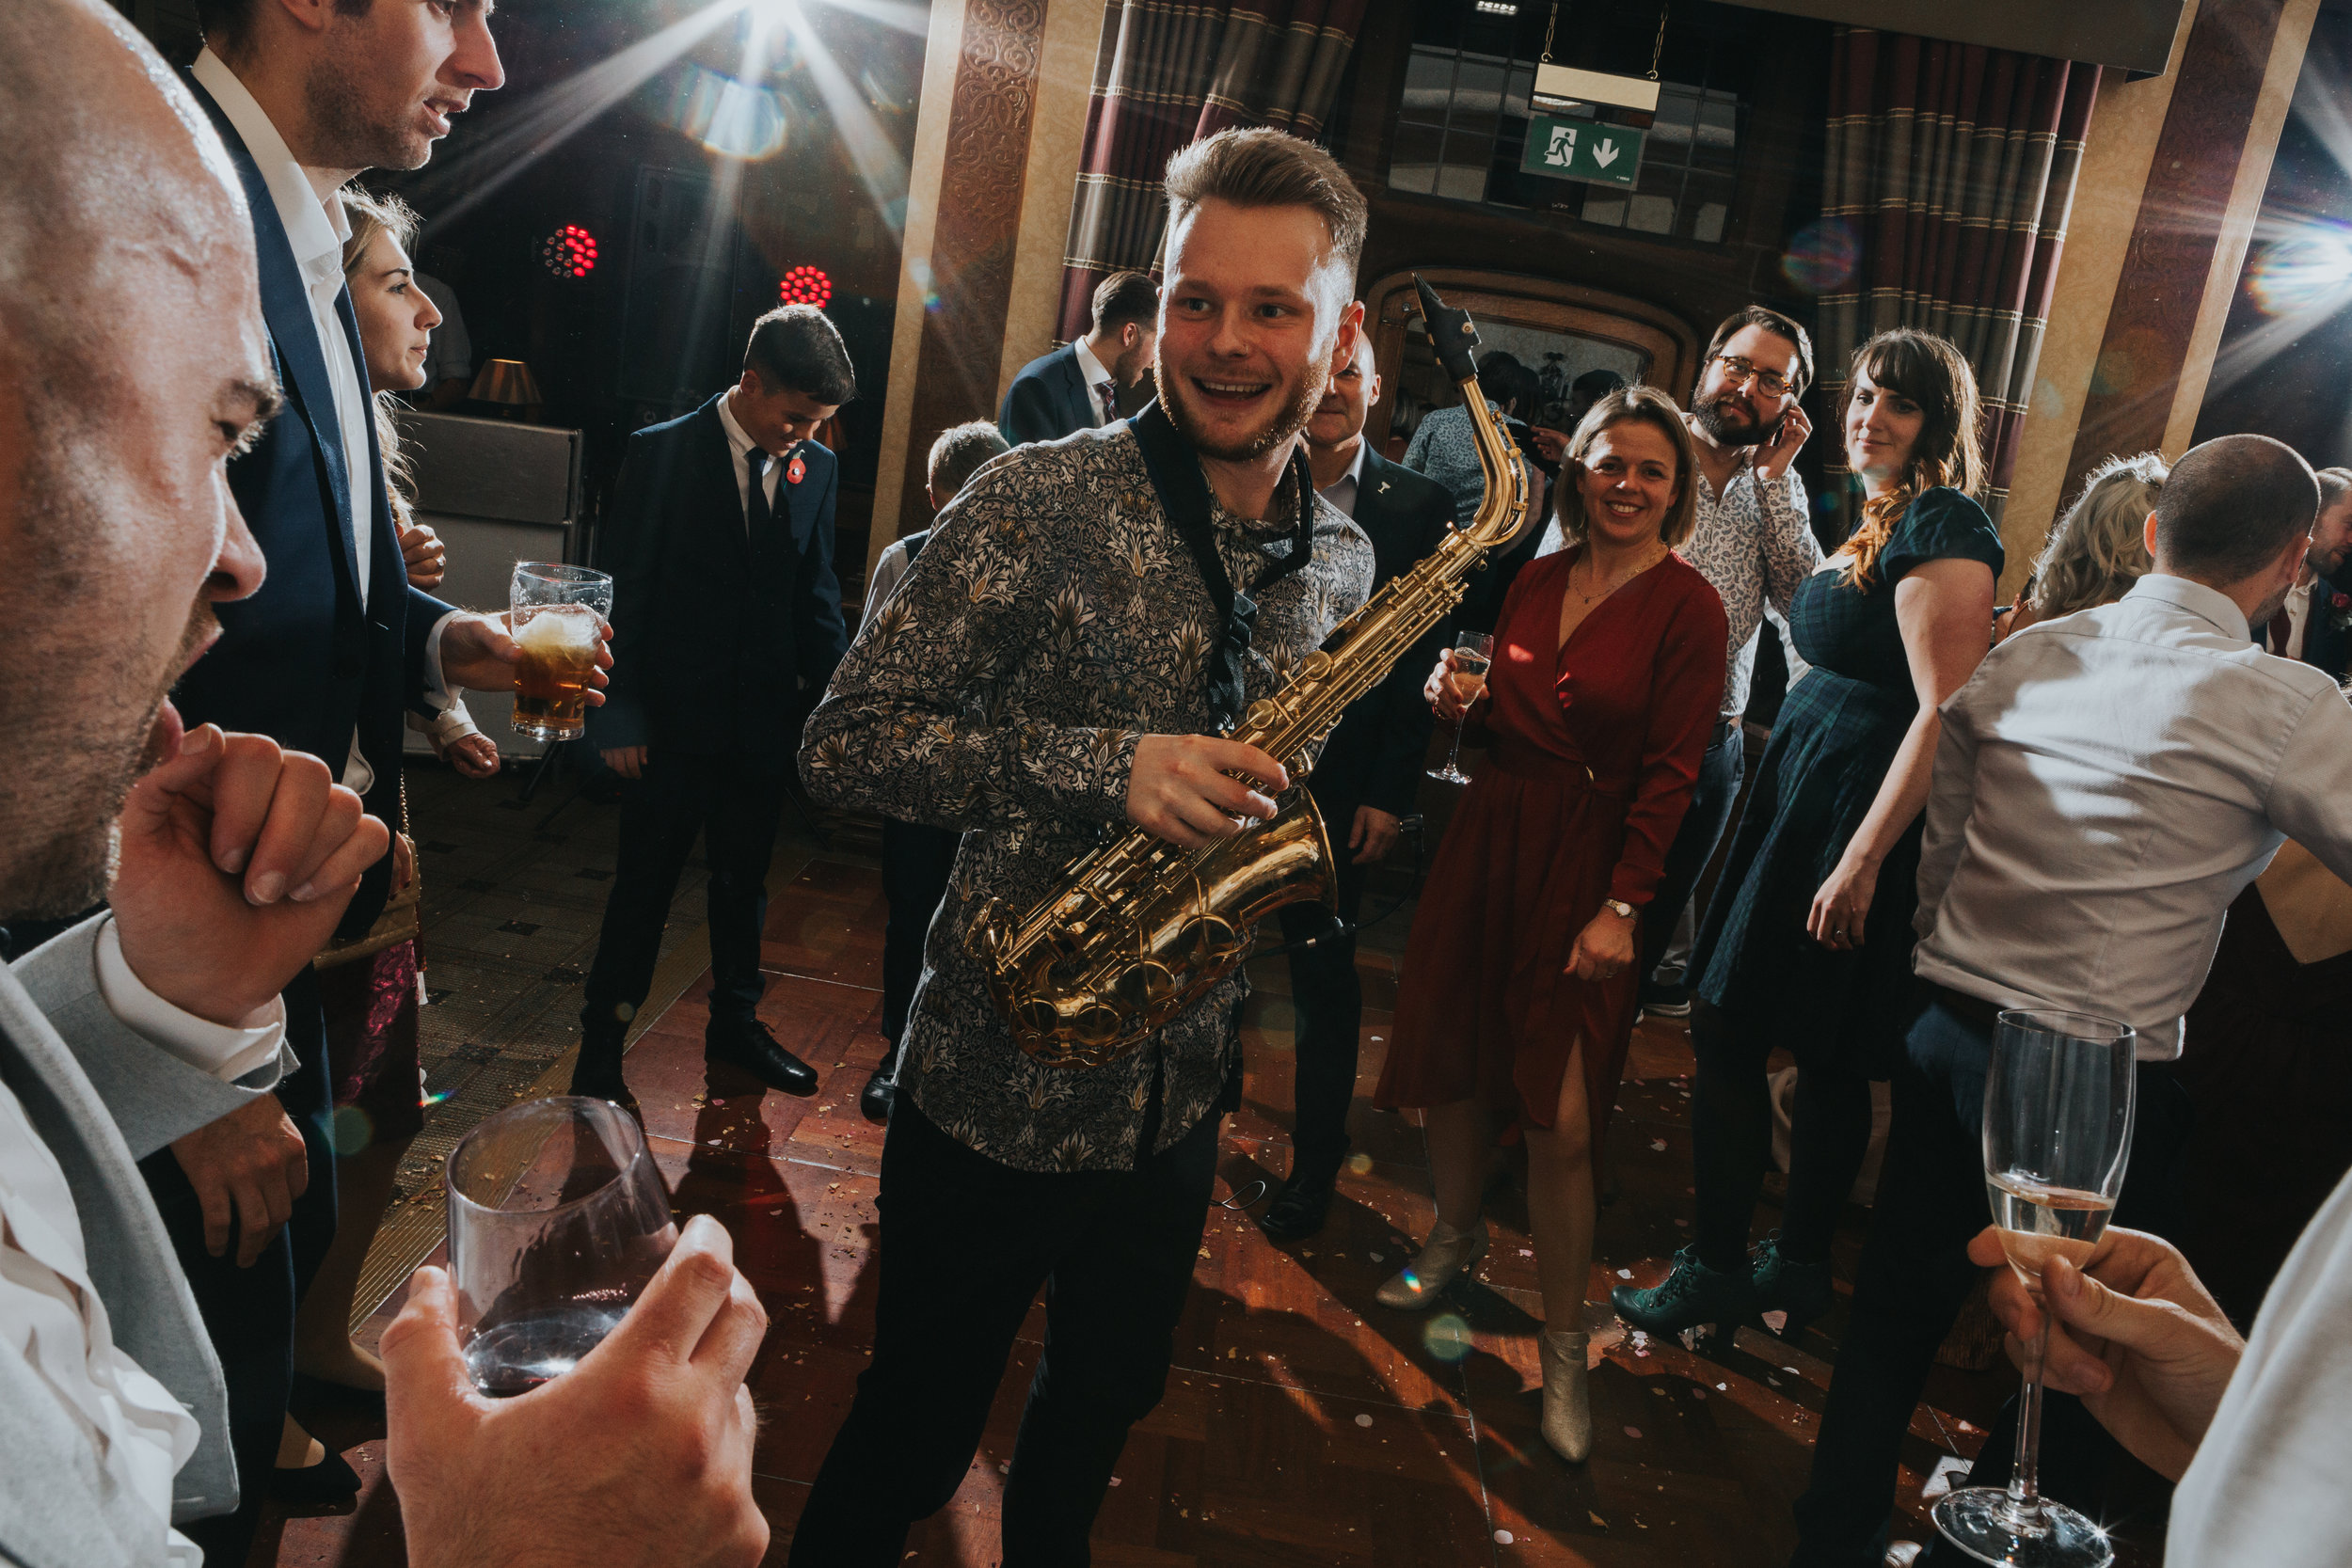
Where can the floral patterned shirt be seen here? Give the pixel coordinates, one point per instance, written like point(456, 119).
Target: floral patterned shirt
point(1753, 541)
point(1053, 619)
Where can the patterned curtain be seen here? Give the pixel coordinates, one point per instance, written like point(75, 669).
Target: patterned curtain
point(1169, 72)
point(1953, 168)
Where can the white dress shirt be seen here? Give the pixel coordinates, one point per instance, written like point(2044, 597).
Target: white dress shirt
point(1095, 373)
point(316, 230)
point(2266, 1488)
point(887, 571)
point(2108, 784)
point(741, 446)
point(1341, 492)
point(51, 1314)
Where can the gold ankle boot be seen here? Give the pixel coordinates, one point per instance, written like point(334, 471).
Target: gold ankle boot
point(1567, 1397)
point(1448, 1255)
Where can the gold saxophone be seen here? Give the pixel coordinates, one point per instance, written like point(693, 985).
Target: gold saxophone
point(1139, 928)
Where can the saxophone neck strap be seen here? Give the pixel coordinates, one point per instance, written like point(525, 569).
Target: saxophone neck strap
point(1184, 492)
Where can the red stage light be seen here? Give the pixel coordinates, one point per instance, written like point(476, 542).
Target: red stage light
point(569, 252)
point(805, 285)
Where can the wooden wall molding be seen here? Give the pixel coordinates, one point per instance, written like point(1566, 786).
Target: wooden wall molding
point(977, 234)
point(2184, 211)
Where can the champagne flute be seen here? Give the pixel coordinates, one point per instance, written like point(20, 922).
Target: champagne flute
point(1473, 651)
point(557, 1220)
point(2058, 1129)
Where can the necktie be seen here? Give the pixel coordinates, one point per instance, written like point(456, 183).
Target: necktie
point(756, 515)
point(1108, 390)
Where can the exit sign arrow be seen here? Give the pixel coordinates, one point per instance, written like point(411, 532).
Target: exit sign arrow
point(1569, 149)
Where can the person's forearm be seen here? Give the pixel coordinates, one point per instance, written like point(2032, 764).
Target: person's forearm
point(1902, 793)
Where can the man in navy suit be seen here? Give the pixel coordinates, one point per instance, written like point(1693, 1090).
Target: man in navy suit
point(326, 655)
point(726, 624)
point(2316, 623)
point(1364, 784)
point(1077, 387)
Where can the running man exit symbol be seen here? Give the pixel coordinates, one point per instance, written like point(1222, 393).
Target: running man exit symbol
point(1582, 150)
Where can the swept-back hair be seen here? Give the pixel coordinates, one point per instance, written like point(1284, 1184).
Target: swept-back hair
point(1639, 405)
point(1260, 166)
point(370, 215)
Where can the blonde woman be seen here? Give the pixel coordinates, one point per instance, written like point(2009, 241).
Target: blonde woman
point(1517, 1001)
point(2096, 551)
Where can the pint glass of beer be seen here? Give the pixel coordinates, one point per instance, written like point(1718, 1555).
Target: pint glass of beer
point(558, 618)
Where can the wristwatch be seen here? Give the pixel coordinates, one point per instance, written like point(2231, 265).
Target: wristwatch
point(1618, 906)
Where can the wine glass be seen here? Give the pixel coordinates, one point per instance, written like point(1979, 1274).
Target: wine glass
point(1473, 651)
point(557, 1220)
point(2057, 1127)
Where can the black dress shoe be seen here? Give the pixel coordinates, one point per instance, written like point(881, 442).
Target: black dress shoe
point(1299, 1208)
point(330, 1480)
point(612, 1089)
point(881, 1087)
point(750, 1046)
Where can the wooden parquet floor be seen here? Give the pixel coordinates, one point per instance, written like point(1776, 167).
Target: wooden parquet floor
point(1304, 1424)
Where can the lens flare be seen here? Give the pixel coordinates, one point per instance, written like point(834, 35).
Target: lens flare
point(2304, 272)
point(1822, 256)
point(1447, 1336)
point(353, 1128)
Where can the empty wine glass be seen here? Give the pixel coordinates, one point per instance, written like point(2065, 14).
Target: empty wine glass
point(2058, 1129)
point(557, 1220)
point(1473, 651)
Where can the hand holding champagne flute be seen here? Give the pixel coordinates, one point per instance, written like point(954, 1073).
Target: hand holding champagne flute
point(1453, 688)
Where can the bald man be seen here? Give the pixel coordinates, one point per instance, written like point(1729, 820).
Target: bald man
point(125, 245)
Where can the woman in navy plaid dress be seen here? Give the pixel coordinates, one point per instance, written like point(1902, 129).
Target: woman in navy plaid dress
point(1806, 946)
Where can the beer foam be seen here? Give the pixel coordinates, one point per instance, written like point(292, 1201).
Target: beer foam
point(560, 629)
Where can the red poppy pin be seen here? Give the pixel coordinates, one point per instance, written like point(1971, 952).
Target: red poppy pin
point(794, 469)
point(2340, 601)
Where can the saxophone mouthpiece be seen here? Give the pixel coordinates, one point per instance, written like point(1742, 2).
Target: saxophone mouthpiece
point(1450, 331)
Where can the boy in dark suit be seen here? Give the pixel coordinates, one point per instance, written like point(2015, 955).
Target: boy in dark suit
point(1077, 387)
point(1364, 785)
point(728, 612)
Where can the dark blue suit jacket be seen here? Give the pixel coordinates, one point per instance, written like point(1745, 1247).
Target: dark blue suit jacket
point(1047, 401)
point(1374, 756)
point(303, 661)
point(2324, 646)
point(722, 643)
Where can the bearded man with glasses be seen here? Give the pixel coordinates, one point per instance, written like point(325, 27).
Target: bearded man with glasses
point(1755, 545)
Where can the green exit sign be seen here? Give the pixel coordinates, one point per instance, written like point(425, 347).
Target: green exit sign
point(1580, 150)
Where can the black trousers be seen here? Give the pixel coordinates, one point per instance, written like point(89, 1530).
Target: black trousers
point(917, 859)
point(1711, 800)
point(249, 1313)
point(1915, 1275)
point(965, 1245)
point(1328, 1000)
point(733, 801)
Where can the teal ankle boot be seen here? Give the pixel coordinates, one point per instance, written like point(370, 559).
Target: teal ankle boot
point(1691, 1296)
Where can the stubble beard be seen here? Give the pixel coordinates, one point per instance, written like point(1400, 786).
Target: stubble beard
point(1279, 429)
point(59, 835)
point(1710, 418)
point(337, 98)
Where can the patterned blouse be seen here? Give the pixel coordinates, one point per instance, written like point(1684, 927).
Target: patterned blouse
point(1053, 619)
point(1752, 543)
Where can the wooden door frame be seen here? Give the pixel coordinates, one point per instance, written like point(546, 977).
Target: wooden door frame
point(1543, 303)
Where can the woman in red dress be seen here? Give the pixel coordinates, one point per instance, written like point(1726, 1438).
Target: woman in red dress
point(1517, 996)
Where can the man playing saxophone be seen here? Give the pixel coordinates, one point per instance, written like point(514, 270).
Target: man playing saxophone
point(1088, 614)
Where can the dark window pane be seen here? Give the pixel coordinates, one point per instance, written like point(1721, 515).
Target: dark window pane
point(1478, 96)
point(1428, 84)
point(1413, 165)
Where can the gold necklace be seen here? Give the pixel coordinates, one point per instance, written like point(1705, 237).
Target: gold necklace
point(1610, 587)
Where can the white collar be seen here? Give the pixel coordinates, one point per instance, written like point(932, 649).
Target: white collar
point(1356, 470)
point(2209, 603)
point(737, 442)
point(1089, 367)
point(316, 229)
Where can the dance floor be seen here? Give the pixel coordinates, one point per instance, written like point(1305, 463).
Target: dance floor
point(1304, 1424)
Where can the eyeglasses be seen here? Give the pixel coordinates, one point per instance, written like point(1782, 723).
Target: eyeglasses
point(1770, 383)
